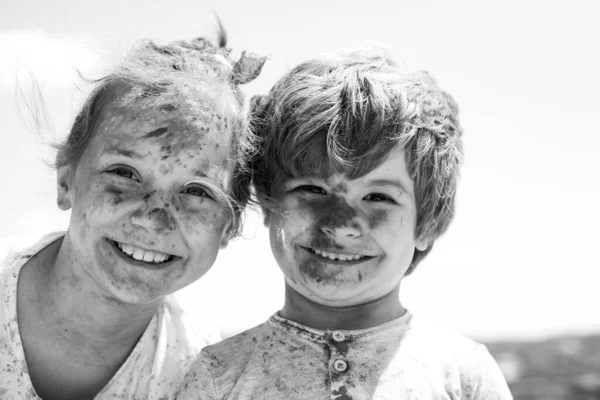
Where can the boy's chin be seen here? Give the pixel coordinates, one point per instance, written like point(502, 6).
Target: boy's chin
point(327, 310)
point(324, 295)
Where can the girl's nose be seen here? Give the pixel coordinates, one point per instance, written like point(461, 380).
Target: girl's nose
point(156, 219)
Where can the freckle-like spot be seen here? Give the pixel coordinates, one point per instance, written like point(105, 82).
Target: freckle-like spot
point(280, 385)
point(147, 196)
point(377, 218)
point(156, 133)
point(342, 392)
point(360, 277)
point(168, 107)
point(333, 212)
point(163, 169)
point(160, 218)
point(116, 195)
point(342, 347)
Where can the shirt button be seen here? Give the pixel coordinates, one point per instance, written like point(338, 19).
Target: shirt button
point(340, 365)
point(338, 336)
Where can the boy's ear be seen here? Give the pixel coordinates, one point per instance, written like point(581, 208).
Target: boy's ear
point(422, 244)
point(63, 188)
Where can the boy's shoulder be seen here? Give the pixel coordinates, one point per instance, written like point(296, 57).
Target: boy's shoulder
point(217, 366)
point(238, 348)
point(430, 343)
point(442, 338)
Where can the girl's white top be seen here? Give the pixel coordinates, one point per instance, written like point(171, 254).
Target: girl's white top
point(154, 369)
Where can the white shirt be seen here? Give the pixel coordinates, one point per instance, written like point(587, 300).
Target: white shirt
point(154, 369)
point(403, 359)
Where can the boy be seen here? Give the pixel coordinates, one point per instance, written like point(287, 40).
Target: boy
point(357, 178)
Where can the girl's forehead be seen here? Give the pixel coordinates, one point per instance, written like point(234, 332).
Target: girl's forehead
point(163, 133)
point(136, 121)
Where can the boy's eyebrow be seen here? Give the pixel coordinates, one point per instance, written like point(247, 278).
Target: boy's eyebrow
point(389, 182)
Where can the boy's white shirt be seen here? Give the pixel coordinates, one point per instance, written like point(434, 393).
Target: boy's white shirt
point(154, 369)
point(405, 359)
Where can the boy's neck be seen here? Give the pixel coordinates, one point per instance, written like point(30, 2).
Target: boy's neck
point(300, 309)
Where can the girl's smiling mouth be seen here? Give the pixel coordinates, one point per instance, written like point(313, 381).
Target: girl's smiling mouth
point(137, 254)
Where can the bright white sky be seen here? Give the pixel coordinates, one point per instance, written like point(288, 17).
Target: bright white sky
point(520, 259)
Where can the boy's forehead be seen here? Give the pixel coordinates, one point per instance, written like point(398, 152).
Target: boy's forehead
point(323, 168)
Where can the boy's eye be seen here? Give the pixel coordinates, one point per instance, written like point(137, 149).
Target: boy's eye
point(195, 190)
point(378, 197)
point(125, 172)
point(311, 189)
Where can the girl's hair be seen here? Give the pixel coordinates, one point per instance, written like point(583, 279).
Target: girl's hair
point(195, 77)
point(345, 113)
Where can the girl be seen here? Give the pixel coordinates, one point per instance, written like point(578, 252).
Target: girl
point(152, 173)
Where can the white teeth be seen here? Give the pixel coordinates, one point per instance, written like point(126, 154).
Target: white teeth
point(340, 257)
point(138, 254)
point(142, 255)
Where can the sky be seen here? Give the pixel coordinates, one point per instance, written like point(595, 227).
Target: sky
point(520, 260)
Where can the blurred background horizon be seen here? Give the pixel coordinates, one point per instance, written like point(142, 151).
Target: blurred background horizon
point(519, 261)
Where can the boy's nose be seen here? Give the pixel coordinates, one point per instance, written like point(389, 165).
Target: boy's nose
point(346, 231)
point(156, 219)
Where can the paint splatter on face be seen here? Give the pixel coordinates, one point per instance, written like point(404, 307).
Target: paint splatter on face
point(342, 242)
point(149, 206)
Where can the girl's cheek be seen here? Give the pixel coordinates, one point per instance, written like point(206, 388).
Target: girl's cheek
point(212, 217)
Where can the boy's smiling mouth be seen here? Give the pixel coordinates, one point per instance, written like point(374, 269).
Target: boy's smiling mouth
point(328, 256)
point(141, 255)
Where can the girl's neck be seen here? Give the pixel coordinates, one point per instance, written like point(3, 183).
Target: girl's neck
point(362, 316)
point(72, 311)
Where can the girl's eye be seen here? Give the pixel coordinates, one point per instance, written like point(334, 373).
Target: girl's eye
point(124, 172)
point(311, 189)
point(379, 197)
point(197, 191)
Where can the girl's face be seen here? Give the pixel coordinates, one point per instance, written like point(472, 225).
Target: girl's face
point(149, 211)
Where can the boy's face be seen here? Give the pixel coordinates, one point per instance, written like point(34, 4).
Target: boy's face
point(148, 212)
point(346, 242)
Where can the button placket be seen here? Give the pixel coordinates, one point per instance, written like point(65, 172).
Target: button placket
point(340, 365)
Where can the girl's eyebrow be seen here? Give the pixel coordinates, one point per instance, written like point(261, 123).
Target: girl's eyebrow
point(123, 152)
point(200, 173)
